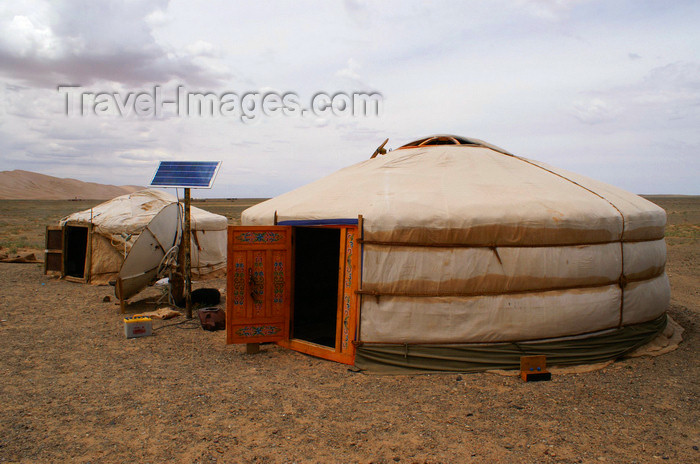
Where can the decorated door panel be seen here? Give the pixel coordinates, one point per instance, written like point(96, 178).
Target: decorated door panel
point(350, 283)
point(258, 295)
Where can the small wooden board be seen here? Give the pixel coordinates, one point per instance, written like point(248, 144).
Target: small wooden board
point(534, 368)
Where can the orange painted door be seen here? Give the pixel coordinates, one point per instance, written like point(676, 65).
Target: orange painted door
point(347, 313)
point(258, 294)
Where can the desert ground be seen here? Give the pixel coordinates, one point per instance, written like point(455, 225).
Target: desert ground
point(74, 389)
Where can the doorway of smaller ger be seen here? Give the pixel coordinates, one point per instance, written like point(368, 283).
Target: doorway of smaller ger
point(76, 252)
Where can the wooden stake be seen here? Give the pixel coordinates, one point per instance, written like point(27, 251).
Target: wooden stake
point(361, 230)
point(122, 301)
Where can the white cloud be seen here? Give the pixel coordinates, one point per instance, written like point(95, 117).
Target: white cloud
point(667, 92)
point(594, 111)
point(203, 48)
point(26, 38)
point(81, 41)
point(678, 77)
point(350, 74)
point(350, 71)
point(551, 10)
point(156, 18)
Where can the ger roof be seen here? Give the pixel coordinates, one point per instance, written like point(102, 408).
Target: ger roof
point(461, 190)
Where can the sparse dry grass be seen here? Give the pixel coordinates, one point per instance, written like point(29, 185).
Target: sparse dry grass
point(23, 224)
point(229, 207)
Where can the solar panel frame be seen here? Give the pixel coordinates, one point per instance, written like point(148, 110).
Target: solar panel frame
point(187, 174)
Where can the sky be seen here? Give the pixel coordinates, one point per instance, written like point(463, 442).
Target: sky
point(608, 89)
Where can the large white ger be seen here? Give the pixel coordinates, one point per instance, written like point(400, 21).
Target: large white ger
point(472, 257)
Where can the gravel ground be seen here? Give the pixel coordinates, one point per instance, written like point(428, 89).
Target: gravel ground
point(75, 390)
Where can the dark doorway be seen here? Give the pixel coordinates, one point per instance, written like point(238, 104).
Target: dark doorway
point(316, 256)
point(76, 251)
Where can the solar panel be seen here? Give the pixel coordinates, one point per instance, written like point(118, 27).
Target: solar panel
point(189, 174)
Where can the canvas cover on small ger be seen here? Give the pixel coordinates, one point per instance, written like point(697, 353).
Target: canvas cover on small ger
point(116, 224)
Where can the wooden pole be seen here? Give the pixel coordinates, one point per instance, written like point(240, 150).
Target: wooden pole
point(188, 260)
point(361, 230)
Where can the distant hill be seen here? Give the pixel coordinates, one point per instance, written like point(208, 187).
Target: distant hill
point(26, 185)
